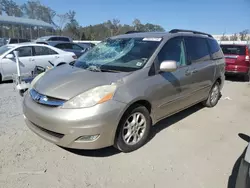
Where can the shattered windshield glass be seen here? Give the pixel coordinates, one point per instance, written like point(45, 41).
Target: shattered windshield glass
point(121, 54)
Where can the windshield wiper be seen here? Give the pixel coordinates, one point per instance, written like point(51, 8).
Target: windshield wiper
point(94, 69)
point(109, 70)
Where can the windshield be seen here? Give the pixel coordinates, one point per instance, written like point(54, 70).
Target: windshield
point(122, 54)
point(233, 49)
point(4, 49)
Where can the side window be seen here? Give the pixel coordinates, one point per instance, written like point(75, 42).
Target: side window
point(63, 39)
point(25, 51)
point(41, 50)
point(60, 46)
point(76, 47)
point(173, 50)
point(52, 52)
point(215, 50)
point(197, 49)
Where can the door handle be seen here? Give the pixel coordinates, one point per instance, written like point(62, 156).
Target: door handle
point(188, 73)
point(194, 71)
point(32, 59)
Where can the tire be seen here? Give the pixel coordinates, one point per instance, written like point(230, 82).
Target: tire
point(135, 135)
point(243, 178)
point(246, 78)
point(214, 96)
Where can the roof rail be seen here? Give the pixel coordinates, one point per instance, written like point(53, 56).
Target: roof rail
point(189, 31)
point(133, 32)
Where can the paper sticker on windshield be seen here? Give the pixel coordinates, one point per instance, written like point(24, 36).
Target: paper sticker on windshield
point(152, 39)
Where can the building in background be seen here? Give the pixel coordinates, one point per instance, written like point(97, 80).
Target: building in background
point(16, 27)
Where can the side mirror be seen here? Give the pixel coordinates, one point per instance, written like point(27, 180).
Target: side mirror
point(168, 66)
point(84, 50)
point(9, 56)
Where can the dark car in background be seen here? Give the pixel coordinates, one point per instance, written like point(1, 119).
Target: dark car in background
point(67, 46)
point(86, 45)
point(54, 38)
point(237, 59)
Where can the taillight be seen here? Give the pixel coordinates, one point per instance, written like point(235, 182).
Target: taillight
point(247, 54)
point(74, 56)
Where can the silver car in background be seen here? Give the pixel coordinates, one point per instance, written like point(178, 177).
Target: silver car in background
point(30, 56)
point(117, 90)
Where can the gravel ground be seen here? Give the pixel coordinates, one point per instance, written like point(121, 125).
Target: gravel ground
point(195, 148)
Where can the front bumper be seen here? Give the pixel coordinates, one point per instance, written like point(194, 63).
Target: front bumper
point(64, 126)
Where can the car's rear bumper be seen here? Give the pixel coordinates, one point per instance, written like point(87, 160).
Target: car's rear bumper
point(237, 69)
point(64, 127)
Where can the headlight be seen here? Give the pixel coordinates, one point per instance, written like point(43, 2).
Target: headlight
point(91, 97)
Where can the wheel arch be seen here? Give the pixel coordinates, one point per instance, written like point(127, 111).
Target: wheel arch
point(130, 106)
point(61, 63)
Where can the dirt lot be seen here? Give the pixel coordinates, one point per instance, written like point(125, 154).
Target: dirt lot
point(196, 148)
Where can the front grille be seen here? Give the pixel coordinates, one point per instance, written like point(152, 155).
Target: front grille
point(57, 135)
point(45, 100)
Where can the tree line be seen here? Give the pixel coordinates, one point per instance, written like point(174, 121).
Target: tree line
point(242, 36)
point(66, 23)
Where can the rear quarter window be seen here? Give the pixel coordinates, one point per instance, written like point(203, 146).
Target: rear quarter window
point(215, 50)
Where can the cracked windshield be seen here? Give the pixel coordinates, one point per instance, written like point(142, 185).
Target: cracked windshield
point(118, 94)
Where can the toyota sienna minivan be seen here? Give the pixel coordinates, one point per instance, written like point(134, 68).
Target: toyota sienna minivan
point(116, 92)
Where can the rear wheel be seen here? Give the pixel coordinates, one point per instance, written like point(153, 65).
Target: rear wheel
point(247, 77)
point(213, 97)
point(133, 130)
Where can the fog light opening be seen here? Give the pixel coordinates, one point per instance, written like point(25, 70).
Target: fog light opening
point(87, 138)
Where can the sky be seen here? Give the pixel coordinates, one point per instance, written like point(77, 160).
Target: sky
point(212, 16)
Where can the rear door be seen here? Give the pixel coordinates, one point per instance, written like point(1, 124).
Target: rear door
point(202, 67)
point(43, 55)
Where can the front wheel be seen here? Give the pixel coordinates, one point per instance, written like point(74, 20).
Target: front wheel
point(213, 97)
point(133, 130)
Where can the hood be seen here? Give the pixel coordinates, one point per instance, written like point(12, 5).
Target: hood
point(65, 82)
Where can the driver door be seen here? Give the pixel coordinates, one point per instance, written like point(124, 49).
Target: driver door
point(173, 87)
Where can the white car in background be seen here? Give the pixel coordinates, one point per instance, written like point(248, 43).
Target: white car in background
point(30, 55)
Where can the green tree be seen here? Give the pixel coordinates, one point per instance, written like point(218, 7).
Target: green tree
point(35, 10)
point(224, 38)
point(137, 25)
point(10, 8)
point(152, 28)
point(62, 20)
point(72, 28)
point(234, 37)
point(243, 35)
